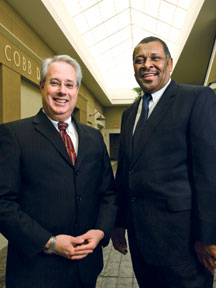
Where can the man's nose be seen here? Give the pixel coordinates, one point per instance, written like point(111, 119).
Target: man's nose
point(62, 88)
point(148, 63)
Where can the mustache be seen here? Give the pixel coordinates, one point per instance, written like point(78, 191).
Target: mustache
point(143, 72)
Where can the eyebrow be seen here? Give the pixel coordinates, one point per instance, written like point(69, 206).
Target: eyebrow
point(68, 80)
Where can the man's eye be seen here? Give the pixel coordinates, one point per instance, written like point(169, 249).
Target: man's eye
point(54, 83)
point(69, 85)
point(155, 58)
point(139, 61)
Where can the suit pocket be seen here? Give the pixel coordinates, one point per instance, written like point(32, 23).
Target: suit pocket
point(176, 204)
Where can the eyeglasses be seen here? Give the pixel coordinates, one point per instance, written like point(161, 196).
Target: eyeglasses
point(57, 83)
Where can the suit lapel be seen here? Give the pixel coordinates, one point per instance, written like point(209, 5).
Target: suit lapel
point(155, 118)
point(129, 127)
point(81, 142)
point(45, 127)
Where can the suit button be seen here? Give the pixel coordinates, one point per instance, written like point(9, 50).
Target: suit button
point(77, 172)
point(131, 172)
point(133, 199)
point(79, 198)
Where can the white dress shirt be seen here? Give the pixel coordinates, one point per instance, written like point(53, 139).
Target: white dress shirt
point(152, 103)
point(71, 130)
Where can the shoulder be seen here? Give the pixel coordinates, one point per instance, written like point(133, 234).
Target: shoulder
point(194, 93)
point(194, 89)
point(88, 130)
point(85, 127)
point(18, 124)
point(132, 107)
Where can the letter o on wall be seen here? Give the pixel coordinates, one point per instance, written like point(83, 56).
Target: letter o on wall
point(16, 58)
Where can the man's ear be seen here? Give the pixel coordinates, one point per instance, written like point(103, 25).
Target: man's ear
point(170, 64)
point(41, 85)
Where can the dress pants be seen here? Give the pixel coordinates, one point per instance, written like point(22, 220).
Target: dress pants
point(189, 274)
point(80, 284)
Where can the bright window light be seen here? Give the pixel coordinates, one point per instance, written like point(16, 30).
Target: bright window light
point(112, 28)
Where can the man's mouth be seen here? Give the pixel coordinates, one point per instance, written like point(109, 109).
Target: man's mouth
point(60, 100)
point(148, 75)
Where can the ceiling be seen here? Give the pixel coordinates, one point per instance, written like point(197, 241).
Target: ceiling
point(101, 35)
point(112, 28)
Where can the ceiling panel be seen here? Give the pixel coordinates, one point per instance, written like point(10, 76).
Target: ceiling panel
point(112, 28)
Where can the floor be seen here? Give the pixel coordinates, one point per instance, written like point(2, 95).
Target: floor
point(117, 272)
point(3, 256)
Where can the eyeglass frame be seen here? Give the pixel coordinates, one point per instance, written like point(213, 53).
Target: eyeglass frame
point(57, 83)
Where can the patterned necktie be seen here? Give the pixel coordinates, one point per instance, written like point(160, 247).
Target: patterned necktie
point(67, 141)
point(142, 120)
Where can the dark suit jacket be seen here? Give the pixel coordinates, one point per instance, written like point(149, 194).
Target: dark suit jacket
point(42, 194)
point(168, 187)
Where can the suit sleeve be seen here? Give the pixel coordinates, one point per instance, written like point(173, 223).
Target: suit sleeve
point(203, 154)
point(108, 206)
point(20, 229)
point(121, 183)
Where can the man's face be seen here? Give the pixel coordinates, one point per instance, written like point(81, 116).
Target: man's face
point(152, 71)
point(59, 92)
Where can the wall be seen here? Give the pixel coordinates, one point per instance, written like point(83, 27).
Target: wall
point(113, 116)
point(211, 72)
point(113, 122)
point(31, 100)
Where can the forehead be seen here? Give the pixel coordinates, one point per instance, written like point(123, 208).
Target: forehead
point(61, 70)
point(149, 48)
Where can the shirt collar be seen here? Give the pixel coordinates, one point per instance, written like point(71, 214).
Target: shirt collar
point(160, 92)
point(55, 123)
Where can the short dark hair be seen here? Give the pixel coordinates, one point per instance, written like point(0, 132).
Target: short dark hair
point(155, 39)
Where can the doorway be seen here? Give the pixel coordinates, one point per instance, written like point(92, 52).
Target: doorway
point(114, 146)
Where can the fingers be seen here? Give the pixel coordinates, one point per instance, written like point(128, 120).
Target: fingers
point(120, 247)
point(81, 254)
point(209, 264)
point(119, 240)
point(206, 254)
point(73, 248)
point(123, 249)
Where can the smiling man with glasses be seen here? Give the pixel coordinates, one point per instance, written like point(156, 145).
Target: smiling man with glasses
point(57, 203)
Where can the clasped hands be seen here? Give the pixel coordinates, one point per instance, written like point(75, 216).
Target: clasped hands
point(79, 247)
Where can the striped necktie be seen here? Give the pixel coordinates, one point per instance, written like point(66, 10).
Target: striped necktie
point(142, 120)
point(67, 141)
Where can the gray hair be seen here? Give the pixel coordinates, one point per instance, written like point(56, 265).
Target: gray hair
point(61, 58)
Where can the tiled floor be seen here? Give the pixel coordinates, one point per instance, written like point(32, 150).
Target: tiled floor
point(3, 255)
point(117, 272)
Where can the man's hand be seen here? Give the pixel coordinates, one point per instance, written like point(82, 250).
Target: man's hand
point(119, 240)
point(91, 240)
point(79, 247)
point(65, 246)
point(206, 254)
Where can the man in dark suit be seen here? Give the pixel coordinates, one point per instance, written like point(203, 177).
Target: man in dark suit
point(56, 211)
point(166, 176)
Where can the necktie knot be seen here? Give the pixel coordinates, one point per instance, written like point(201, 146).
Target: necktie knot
point(62, 126)
point(147, 97)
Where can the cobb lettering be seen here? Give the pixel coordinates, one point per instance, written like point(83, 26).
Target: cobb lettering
point(20, 61)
